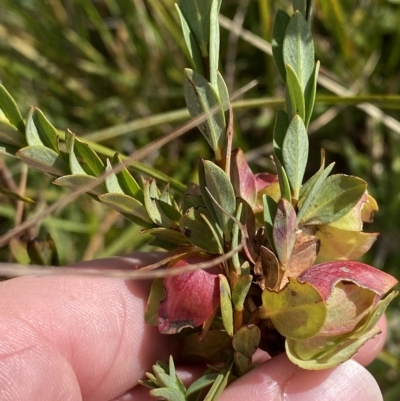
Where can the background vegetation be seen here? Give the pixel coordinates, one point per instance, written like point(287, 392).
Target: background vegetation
point(111, 71)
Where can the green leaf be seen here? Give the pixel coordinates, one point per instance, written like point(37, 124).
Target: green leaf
point(242, 363)
point(201, 383)
point(167, 235)
point(267, 269)
point(298, 49)
point(240, 291)
point(226, 304)
point(309, 95)
point(155, 208)
point(223, 92)
point(197, 14)
point(200, 98)
point(310, 189)
point(10, 109)
point(14, 195)
point(10, 138)
point(220, 383)
point(282, 20)
point(222, 190)
point(236, 232)
point(111, 181)
point(157, 294)
point(46, 131)
point(295, 154)
point(193, 225)
point(78, 181)
point(284, 231)
point(214, 42)
point(212, 347)
point(337, 195)
point(125, 204)
point(246, 340)
point(191, 42)
point(74, 164)
point(297, 310)
point(43, 159)
point(91, 162)
point(127, 183)
point(169, 394)
point(270, 208)
point(280, 128)
point(283, 180)
point(295, 93)
point(342, 348)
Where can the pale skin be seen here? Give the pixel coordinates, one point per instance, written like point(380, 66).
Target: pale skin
point(72, 338)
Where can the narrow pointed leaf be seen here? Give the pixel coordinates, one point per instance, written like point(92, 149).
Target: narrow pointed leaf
point(309, 95)
point(280, 128)
point(278, 34)
point(284, 231)
point(295, 154)
point(220, 383)
point(77, 181)
point(197, 14)
point(125, 204)
point(128, 184)
point(191, 42)
point(270, 209)
point(295, 93)
point(10, 109)
point(336, 196)
point(201, 383)
point(74, 164)
point(46, 131)
point(153, 206)
point(91, 162)
point(226, 304)
point(196, 230)
point(9, 135)
point(173, 237)
point(200, 98)
point(223, 92)
point(15, 195)
point(170, 394)
point(298, 48)
point(111, 181)
point(242, 178)
point(310, 189)
point(221, 189)
point(214, 42)
point(283, 181)
point(240, 291)
point(43, 159)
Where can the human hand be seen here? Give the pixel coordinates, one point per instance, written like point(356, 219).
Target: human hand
point(84, 338)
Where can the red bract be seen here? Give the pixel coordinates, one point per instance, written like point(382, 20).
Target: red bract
point(190, 297)
point(353, 295)
point(325, 275)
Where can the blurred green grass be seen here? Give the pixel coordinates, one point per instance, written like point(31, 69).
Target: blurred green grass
point(111, 71)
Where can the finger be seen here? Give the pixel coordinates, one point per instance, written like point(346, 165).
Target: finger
point(279, 379)
point(66, 338)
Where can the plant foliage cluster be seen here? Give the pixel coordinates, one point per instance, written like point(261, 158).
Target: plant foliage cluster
point(274, 225)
